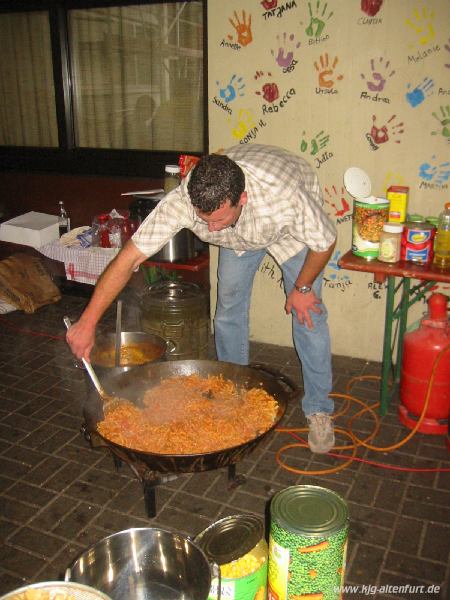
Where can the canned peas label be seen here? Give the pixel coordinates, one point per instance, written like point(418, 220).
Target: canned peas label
point(305, 567)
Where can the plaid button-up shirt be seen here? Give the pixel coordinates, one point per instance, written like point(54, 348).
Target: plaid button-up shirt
point(283, 213)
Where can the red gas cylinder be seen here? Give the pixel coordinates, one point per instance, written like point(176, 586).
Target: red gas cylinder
point(420, 351)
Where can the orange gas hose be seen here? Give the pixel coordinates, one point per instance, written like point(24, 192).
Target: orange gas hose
point(355, 439)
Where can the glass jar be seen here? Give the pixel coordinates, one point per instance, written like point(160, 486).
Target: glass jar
point(390, 242)
point(171, 178)
point(178, 311)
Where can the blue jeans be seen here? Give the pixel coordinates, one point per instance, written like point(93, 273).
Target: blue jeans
point(231, 324)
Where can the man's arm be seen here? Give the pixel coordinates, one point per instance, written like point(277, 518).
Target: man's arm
point(303, 303)
point(81, 336)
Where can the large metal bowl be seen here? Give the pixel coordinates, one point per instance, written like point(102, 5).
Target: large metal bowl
point(56, 589)
point(136, 348)
point(144, 564)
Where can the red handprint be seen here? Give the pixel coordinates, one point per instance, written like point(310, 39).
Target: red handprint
point(345, 207)
point(270, 92)
point(380, 135)
point(269, 4)
point(371, 7)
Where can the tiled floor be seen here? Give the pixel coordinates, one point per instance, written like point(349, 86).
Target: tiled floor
point(59, 496)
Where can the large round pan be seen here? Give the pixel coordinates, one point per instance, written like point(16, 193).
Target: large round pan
point(132, 385)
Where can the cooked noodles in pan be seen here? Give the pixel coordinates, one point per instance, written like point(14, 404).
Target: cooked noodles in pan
point(191, 415)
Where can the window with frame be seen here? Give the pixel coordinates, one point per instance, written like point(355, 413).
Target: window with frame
point(132, 78)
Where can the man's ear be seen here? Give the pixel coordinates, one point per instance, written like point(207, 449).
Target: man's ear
point(243, 199)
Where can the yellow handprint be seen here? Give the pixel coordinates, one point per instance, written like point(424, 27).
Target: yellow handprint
point(245, 122)
point(392, 178)
point(422, 25)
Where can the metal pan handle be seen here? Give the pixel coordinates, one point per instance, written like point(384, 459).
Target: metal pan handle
point(295, 391)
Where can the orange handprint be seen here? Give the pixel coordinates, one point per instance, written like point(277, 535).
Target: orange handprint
point(243, 29)
point(325, 71)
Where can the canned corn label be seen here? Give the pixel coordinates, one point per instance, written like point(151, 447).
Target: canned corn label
point(250, 587)
point(303, 567)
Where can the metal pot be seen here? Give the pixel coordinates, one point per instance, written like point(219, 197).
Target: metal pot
point(133, 384)
point(181, 247)
point(137, 348)
point(56, 589)
point(145, 564)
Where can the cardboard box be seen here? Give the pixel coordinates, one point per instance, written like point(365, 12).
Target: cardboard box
point(398, 203)
point(31, 229)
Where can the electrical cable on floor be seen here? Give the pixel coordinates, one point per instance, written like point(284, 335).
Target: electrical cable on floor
point(357, 441)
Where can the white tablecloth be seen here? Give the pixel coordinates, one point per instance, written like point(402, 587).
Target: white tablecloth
point(84, 265)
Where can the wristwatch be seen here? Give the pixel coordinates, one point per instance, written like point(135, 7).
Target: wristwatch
point(304, 289)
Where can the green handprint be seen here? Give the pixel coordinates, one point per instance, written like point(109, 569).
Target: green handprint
point(444, 120)
point(317, 22)
point(319, 141)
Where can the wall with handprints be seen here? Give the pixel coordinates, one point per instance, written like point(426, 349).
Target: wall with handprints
point(357, 83)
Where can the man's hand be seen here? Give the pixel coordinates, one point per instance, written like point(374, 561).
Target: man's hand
point(81, 339)
point(81, 336)
point(303, 304)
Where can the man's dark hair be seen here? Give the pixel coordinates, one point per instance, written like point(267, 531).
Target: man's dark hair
point(215, 179)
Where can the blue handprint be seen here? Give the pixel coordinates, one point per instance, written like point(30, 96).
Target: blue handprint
point(420, 92)
point(426, 171)
point(438, 173)
point(443, 173)
point(333, 263)
point(229, 93)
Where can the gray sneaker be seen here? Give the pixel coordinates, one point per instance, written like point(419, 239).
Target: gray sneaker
point(321, 433)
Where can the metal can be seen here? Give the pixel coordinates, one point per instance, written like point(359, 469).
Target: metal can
point(417, 242)
point(237, 545)
point(307, 545)
point(368, 219)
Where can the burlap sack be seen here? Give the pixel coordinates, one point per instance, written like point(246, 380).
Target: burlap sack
point(25, 283)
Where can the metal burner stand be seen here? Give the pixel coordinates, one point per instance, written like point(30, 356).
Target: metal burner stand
point(149, 478)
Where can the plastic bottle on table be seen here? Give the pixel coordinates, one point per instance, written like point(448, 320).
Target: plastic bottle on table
point(63, 220)
point(100, 231)
point(442, 241)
